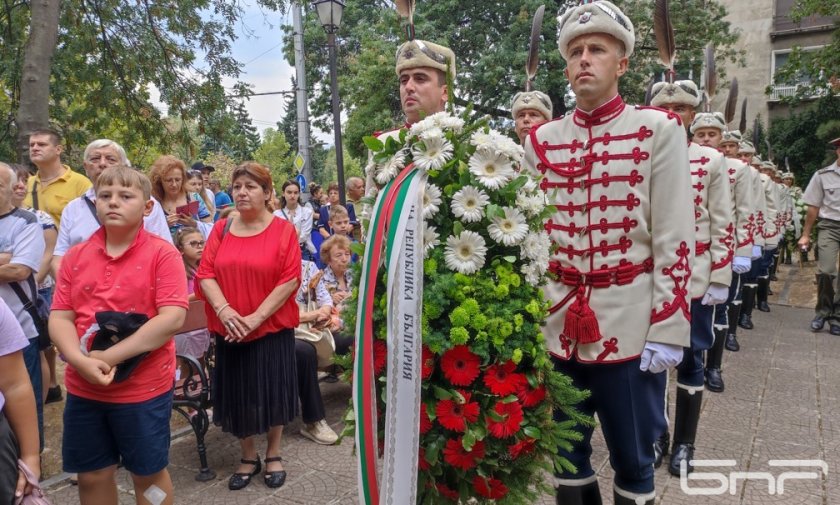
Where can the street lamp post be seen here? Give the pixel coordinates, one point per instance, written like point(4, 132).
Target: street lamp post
point(329, 12)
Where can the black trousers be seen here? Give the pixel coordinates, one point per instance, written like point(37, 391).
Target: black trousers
point(309, 390)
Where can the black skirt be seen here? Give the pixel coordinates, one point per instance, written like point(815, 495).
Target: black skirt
point(254, 384)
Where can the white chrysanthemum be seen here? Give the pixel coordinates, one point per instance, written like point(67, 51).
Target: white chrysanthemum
point(431, 239)
point(391, 168)
point(536, 246)
point(468, 204)
point(431, 201)
point(465, 253)
point(451, 123)
point(530, 186)
point(510, 229)
point(481, 139)
point(431, 133)
point(421, 126)
point(370, 167)
point(530, 203)
point(493, 170)
point(432, 154)
point(506, 146)
point(532, 273)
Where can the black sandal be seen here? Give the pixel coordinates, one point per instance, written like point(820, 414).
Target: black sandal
point(240, 480)
point(274, 479)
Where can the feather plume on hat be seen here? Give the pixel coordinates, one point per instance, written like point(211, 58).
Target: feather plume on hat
point(532, 98)
point(664, 33)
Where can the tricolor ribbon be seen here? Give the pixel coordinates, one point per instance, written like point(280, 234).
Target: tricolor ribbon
point(395, 238)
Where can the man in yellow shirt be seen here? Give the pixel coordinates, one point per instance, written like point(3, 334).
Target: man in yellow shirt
point(54, 185)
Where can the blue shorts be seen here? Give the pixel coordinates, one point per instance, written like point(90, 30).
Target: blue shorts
point(98, 435)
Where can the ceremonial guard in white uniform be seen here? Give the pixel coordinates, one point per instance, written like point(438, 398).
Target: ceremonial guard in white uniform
point(710, 132)
point(624, 242)
point(746, 152)
point(711, 271)
point(772, 234)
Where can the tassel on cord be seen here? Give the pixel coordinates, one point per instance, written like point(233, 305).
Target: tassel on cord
point(581, 324)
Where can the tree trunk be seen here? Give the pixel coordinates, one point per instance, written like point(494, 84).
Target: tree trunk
point(33, 111)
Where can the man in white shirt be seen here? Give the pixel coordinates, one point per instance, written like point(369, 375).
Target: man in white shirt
point(79, 221)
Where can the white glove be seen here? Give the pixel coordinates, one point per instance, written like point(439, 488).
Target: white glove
point(658, 357)
point(757, 252)
point(741, 264)
point(716, 294)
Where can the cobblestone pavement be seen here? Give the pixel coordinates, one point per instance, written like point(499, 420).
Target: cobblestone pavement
point(782, 396)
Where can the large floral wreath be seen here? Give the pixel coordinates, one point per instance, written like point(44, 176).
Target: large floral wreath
point(489, 387)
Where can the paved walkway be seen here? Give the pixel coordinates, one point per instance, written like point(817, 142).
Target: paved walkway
point(782, 401)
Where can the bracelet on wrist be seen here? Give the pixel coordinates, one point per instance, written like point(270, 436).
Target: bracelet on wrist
point(220, 309)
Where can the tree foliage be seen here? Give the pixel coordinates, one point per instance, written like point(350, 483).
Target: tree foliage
point(489, 39)
point(803, 137)
point(275, 153)
point(109, 54)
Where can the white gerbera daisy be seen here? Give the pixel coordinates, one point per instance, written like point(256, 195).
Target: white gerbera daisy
point(536, 246)
point(506, 146)
point(431, 201)
point(510, 229)
point(432, 153)
point(431, 239)
point(468, 204)
point(465, 253)
point(391, 168)
point(431, 133)
point(492, 169)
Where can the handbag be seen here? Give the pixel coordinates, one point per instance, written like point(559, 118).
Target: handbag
point(321, 339)
point(38, 310)
point(36, 497)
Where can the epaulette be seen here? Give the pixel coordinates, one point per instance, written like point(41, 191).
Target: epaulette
point(668, 113)
point(825, 170)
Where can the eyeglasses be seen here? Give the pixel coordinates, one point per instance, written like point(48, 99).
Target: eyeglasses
point(196, 243)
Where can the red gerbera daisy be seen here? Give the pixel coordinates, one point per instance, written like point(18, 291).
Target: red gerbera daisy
point(425, 422)
point(512, 417)
point(522, 447)
point(489, 488)
point(422, 464)
point(501, 380)
point(531, 397)
point(428, 362)
point(454, 454)
point(380, 356)
point(446, 491)
point(460, 366)
point(454, 415)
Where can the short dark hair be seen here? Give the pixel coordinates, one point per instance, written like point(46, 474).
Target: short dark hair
point(54, 135)
point(332, 187)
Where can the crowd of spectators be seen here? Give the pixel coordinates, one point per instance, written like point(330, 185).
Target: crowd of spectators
point(104, 266)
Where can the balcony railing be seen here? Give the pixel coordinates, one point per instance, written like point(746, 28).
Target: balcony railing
point(779, 92)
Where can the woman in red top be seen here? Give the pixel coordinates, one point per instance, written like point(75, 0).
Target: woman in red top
point(249, 274)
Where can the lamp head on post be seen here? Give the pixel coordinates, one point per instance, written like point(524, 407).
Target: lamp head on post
point(329, 12)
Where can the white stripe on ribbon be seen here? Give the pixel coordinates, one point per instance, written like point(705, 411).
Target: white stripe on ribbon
point(405, 302)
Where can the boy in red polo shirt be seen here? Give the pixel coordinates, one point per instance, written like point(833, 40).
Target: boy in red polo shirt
point(120, 268)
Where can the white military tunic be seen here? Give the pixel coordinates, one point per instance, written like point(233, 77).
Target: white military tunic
point(714, 229)
point(740, 191)
point(771, 228)
point(623, 233)
point(759, 202)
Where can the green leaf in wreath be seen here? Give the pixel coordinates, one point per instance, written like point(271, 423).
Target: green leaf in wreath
point(457, 228)
point(441, 394)
point(373, 143)
point(357, 248)
point(510, 399)
point(510, 259)
point(533, 432)
point(517, 183)
point(469, 440)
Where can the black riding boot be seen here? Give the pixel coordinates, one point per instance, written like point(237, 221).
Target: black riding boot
point(714, 357)
point(762, 291)
point(731, 335)
point(685, 427)
point(587, 494)
point(747, 304)
point(660, 448)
